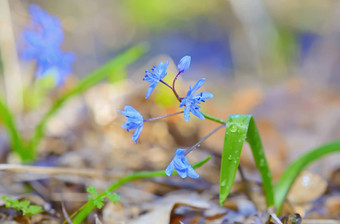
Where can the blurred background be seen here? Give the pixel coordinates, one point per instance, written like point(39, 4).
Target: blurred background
point(259, 39)
point(278, 60)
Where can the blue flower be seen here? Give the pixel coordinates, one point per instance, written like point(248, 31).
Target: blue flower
point(155, 75)
point(56, 63)
point(43, 45)
point(182, 166)
point(134, 121)
point(190, 102)
point(184, 64)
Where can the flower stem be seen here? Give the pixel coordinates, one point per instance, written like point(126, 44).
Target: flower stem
point(173, 87)
point(166, 84)
point(245, 182)
point(163, 116)
point(203, 139)
point(213, 118)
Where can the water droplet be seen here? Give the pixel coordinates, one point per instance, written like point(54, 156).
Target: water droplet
point(262, 162)
point(233, 128)
point(235, 161)
point(230, 157)
point(236, 116)
point(198, 146)
point(224, 183)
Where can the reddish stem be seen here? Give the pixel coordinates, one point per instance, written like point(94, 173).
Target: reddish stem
point(173, 87)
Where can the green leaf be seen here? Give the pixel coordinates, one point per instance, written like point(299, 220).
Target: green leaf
point(23, 205)
point(34, 95)
point(98, 202)
point(294, 169)
point(32, 210)
point(5, 198)
point(8, 121)
point(92, 190)
point(113, 197)
point(241, 128)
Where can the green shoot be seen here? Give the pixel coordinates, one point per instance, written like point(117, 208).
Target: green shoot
point(22, 206)
point(98, 199)
point(85, 210)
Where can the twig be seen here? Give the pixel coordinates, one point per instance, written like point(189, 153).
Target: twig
point(58, 170)
point(67, 217)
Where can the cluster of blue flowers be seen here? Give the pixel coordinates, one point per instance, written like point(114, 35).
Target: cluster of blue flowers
point(43, 45)
point(190, 102)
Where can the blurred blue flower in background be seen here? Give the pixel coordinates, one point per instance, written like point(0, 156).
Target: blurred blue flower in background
point(190, 102)
point(43, 45)
point(155, 75)
point(134, 121)
point(184, 64)
point(182, 166)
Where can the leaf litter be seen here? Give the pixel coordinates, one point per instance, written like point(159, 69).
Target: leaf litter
point(100, 145)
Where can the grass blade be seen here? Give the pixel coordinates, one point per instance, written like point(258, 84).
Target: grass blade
point(241, 128)
point(294, 169)
point(16, 142)
point(115, 65)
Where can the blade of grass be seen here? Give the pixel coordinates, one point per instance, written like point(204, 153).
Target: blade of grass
point(240, 128)
point(294, 169)
point(16, 142)
point(85, 210)
point(115, 65)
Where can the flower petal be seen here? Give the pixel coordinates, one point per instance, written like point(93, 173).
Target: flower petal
point(154, 76)
point(198, 85)
point(182, 173)
point(134, 121)
point(184, 64)
point(192, 173)
point(136, 134)
point(197, 113)
point(187, 114)
point(170, 169)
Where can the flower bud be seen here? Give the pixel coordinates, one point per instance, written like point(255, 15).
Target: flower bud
point(184, 64)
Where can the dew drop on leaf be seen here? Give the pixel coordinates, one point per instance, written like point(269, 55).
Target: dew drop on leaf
point(233, 128)
point(224, 183)
point(230, 157)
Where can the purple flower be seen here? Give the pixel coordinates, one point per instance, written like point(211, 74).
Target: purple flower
point(134, 121)
point(191, 101)
point(182, 166)
point(43, 45)
point(184, 64)
point(155, 75)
